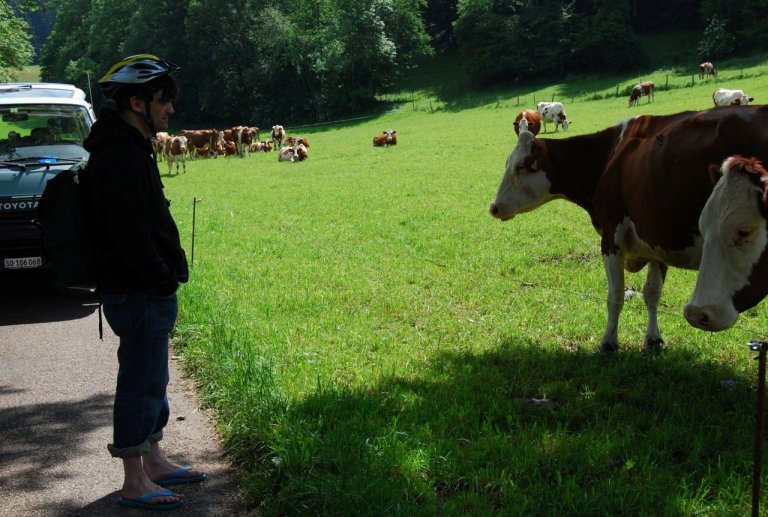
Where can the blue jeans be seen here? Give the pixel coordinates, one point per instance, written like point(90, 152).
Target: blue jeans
point(141, 411)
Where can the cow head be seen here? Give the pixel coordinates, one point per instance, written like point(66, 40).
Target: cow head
point(524, 185)
point(733, 275)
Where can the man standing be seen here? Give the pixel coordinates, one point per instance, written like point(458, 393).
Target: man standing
point(140, 265)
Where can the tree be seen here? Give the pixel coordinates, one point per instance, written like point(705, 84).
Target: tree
point(15, 43)
point(65, 56)
point(606, 40)
point(717, 41)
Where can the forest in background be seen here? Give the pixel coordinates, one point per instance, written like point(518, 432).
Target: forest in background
point(317, 60)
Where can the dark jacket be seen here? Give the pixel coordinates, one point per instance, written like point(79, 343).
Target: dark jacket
point(136, 239)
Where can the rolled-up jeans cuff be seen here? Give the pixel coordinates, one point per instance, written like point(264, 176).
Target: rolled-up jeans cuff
point(129, 452)
point(156, 437)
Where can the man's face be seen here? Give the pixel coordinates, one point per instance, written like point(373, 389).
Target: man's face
point(160, 111)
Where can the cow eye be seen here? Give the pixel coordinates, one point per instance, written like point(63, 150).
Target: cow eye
point(743, 235)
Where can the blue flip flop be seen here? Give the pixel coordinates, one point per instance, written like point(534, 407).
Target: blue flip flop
point(143, 501)
point(178, 478)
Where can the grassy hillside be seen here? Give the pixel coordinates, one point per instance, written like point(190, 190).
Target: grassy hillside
point(374, 343)
point(28, 74)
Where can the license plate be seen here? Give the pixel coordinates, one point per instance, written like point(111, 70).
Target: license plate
point(23, 262)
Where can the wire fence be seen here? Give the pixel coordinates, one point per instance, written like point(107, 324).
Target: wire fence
point(420, 101)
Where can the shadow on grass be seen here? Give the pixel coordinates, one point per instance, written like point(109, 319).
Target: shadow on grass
point(521, 431)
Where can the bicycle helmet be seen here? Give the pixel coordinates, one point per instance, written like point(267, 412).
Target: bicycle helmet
point(135, 70)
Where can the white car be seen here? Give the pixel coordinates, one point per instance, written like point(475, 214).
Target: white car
point(42, 129)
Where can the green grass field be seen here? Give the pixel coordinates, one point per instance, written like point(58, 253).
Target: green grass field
point(374, 343)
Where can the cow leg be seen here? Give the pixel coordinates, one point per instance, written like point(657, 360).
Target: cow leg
point(614, 271)
point(654, 285)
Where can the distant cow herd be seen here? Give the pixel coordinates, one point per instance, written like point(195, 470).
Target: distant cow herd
point(239, 140)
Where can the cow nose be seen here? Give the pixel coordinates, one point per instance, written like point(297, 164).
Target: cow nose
point(699, 317)
point(494, 209)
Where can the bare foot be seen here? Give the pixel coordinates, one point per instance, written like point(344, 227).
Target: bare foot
point(134, 490)
point(157, 466)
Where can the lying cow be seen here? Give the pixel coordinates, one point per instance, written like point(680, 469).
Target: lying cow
point(724, 97)
point(553, 112)
point(707, 69)
point(528, 120)
point(643, 183)
point(295, 153)
point(291, 141)
point(644, 89)
point(385, 139)
point(734, 262)
point(176, 152)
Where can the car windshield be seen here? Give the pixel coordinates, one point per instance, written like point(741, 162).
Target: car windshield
point(56, 130)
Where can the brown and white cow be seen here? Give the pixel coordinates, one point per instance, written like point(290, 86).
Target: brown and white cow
point(201, 139)
point(707, 69)
point(295, 153)
point(176, 152)
point(278, 135)
point(733, 275)
point(643, 183)
point(644, 89)
point(243, 136)
point(726, 97)
point(385, 138)
point(528, 120)
point(158, 144)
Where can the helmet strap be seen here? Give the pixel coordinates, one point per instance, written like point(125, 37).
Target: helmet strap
point(148, 113)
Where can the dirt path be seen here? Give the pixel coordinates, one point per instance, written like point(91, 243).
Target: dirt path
point(56, 388)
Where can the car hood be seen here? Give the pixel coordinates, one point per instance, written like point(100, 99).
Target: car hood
point(30, 181)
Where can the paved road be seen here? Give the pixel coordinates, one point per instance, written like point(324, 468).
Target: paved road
point(56, 387)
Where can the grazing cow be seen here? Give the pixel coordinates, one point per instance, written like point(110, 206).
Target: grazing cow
point(295, 153)
point(385, 139)
point(646, 88)
point(706, 69)
point(528, 120)
point(158, 144)
point(278, 135)
point(553, 112)
point(733, 275)
point(724, 97)
point(176, 151)
point(643, 183)
point(201, 139)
